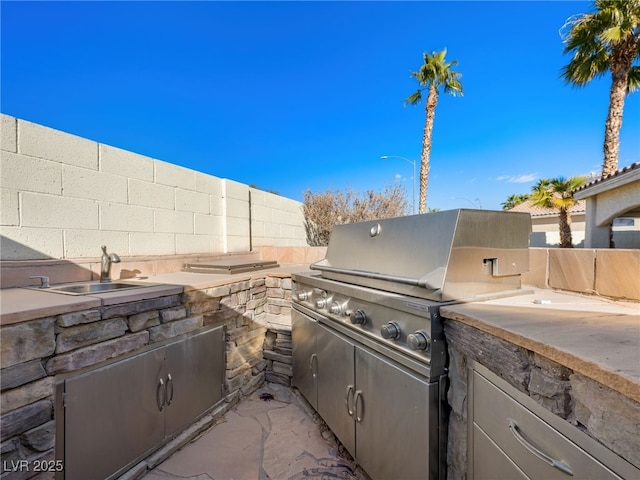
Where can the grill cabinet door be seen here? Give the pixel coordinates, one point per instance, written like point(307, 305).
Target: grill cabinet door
point(111, 416)
point(303, 338)
point(196, 369)
point(117, 414)
point(396, 424)
point(335, 375)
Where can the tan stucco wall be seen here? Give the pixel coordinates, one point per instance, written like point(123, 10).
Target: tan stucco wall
point(614, 197)
point(613, 203)
point(608, 272)
point(545, 230)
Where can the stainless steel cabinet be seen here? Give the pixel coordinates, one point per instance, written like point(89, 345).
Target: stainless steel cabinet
point(489, 462)
point(303, 340)
point(323, 369)
point(196, 366)
point(337, 385)
point(395, 408)
point(373, 405)
point(112, 416)
point(514, 437)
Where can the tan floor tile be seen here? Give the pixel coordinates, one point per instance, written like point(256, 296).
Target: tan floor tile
point(276, 437)
point(231, 450)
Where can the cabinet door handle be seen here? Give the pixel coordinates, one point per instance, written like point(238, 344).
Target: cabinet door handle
point(515, 430)
point(359, 411)
point(349, 392)
point(161, 393)
point(169, 397)
point(313, 365)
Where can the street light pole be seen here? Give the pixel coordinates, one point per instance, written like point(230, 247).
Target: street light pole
point(472, 202)
point(412, 162)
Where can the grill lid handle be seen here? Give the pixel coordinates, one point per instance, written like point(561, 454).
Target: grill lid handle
point(429, 281)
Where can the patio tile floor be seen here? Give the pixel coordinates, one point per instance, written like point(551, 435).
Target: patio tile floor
point(278, 439)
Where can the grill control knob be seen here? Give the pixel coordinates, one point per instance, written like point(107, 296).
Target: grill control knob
point(302, 295)
point(358, 317)
point(419, 341)
point(321, 303)
point(335, 308)
point(390, 331)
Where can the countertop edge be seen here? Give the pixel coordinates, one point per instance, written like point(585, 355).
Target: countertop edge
point(68, 305)
point(168, 284)
point(613, 379)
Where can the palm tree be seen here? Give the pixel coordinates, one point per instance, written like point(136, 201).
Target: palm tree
point(434, 73)
point(514, 200)
point(558, 193)
point(606, 40)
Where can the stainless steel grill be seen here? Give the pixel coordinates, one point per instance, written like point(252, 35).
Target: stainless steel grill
point(442, 256)
point(368, 343)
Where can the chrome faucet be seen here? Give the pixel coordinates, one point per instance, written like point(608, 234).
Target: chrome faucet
point(44, 281)
point(105, 264)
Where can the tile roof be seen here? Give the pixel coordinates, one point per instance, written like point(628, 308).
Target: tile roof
point(538, 211)
point(600, 180)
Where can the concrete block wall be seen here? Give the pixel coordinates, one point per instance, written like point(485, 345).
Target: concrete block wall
point(63, 196)
point(275, 220)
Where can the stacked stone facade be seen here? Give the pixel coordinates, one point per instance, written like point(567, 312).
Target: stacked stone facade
point(277, 345)
point(254, 311)
point(602, 413)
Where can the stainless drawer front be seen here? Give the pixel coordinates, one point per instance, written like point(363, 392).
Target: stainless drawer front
point(489, 462)
point(528, 440)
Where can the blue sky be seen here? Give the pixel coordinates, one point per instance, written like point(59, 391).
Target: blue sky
point(293, 95)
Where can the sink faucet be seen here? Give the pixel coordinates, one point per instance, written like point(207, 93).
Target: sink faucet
point(44, 281)
point(105, 264)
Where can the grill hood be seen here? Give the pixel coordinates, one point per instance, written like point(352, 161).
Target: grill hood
point(442, 256)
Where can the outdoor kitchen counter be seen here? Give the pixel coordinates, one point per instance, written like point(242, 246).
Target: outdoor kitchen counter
point(597, 338)
point(200, 281)
point(24, 304)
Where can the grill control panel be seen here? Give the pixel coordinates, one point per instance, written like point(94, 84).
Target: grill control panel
point(408, 331)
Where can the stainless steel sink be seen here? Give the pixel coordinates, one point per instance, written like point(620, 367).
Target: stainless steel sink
point(87, 288)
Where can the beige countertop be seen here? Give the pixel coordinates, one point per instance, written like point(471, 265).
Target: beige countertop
point(198, 281)
point(597, 338)
point(23, 304)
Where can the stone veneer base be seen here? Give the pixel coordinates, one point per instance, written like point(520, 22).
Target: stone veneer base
point(256, 314)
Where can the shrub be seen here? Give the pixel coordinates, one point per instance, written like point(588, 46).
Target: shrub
point(323, 210)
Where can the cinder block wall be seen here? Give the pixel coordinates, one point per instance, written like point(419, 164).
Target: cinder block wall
point(63, 196)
